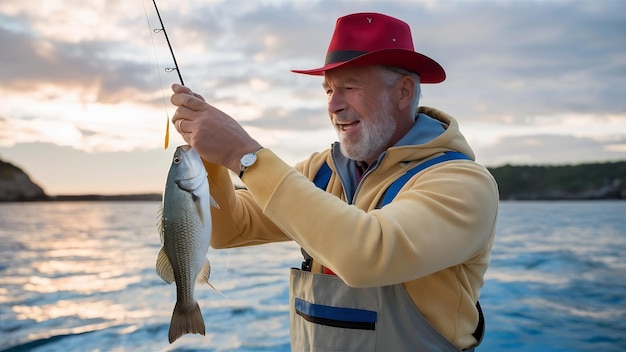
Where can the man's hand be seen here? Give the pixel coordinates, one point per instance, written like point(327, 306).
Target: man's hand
point(216, 136)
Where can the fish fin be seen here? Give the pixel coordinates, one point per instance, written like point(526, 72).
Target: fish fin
point(203, 277)
point(197, 203)
point(164, 267)
point(160, 227)
point(186, 322)
point(205, 272)
point(205, 216)
point(214, 203)
point(216, 290)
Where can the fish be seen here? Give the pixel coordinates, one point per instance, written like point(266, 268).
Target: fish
point(185, 228)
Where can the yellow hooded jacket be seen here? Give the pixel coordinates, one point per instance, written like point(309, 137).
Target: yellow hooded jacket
point(434, 237)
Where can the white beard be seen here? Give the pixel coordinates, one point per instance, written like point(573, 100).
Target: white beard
point(376, 134)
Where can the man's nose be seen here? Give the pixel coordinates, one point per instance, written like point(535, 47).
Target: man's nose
point(336, 102)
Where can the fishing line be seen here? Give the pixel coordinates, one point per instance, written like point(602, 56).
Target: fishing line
point(167, 69)
point(156, 57)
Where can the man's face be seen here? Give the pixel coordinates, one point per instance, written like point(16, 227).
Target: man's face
point(362, 108)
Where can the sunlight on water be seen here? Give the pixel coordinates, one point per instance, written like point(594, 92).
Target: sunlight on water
point(526, 277)
point(79, 276)
point(47, 334)
point(557, 278)
point(576, 312)
point(83, 284)
point(106, 310)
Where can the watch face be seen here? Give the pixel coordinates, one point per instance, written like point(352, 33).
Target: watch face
point(248, 159)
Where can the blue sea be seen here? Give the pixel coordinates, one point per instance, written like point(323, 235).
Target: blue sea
point(79, 276)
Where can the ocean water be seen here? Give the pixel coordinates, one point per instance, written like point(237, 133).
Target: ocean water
point(79, 276)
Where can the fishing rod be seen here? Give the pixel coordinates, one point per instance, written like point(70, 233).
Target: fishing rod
point(168, 69)
point(162, 29)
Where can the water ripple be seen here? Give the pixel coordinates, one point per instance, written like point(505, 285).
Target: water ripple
point(80, 277)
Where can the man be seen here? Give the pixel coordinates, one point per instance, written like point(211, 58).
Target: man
point(399, 274)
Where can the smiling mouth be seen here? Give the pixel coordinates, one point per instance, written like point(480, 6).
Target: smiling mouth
point(347, 126)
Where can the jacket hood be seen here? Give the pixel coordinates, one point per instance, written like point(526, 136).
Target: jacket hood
point(425, 140)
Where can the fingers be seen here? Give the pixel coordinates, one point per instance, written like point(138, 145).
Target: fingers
point(179, 126)
point(189, 104)
point(179, 88)
point(199, 96)
point(183, 96)
point(183, 120)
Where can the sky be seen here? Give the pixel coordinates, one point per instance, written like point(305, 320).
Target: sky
point(84, 92)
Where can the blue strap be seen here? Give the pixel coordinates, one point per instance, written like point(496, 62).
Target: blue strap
point(395, 187)
point(323, 176)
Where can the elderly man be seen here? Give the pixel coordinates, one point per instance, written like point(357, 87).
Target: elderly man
point(396, 221)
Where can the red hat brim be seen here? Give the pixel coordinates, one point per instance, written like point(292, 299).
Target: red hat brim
point(428, 69)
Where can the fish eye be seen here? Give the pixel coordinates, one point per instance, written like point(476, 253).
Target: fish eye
point(177, 160)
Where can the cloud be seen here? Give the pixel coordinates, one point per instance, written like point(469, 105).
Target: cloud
point(30, 62)
point(540, 57)
point(553, 150)
point(533, 58)
point(520, 68)
point(292, 120)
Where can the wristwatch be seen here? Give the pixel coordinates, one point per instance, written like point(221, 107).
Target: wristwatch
point(246, 161)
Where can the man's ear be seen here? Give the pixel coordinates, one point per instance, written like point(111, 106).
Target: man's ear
point(406, 91)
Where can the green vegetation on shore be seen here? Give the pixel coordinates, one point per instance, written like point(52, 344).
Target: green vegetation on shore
point(582, 181)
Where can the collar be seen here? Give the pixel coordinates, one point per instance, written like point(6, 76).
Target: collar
point(423, 131)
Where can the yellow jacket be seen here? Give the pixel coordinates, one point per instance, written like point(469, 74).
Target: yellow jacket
point(434, 237)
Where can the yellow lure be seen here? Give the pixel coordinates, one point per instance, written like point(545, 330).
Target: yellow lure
point(167, 133)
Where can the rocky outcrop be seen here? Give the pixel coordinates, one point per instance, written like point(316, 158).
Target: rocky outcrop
point(15, 185)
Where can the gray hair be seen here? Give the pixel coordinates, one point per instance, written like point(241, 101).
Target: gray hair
point(392, 75)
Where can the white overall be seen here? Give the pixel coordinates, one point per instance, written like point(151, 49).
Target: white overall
point(328, 315)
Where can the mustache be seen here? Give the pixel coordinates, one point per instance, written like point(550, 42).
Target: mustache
point(345, 118)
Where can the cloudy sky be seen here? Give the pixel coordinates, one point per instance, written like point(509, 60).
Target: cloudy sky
point(84, 97)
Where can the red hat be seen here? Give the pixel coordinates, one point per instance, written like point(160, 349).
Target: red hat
point(375, 39)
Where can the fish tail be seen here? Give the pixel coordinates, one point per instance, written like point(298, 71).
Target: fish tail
point(186, 322)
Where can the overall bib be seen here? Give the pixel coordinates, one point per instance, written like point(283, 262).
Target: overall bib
point(328, 315)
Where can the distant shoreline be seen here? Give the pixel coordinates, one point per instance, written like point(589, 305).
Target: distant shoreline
point(156, 197)
point(594, 181)
point(96, 197)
